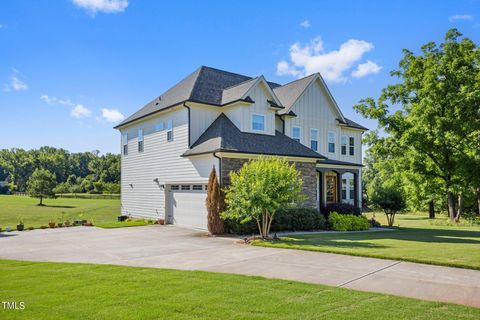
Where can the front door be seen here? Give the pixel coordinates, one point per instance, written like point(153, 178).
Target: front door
point(331, 186)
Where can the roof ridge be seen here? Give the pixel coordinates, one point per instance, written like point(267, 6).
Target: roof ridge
point(291, 82)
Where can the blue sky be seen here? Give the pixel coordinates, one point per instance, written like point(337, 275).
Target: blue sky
point(69, 69)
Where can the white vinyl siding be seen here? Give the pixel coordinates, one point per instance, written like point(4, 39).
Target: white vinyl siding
point(140, 195)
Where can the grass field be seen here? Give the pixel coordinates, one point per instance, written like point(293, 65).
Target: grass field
point(83, 291)
point(14, 207)
point(418, 240)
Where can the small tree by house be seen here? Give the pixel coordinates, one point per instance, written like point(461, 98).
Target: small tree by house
point(214, 205)
point(41, 184)
point(259, 189)
point(390, 200)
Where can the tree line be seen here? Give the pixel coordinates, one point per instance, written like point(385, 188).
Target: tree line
point(72, 172)
point(428, 147)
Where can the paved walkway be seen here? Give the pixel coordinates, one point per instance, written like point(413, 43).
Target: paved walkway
point(174, 247)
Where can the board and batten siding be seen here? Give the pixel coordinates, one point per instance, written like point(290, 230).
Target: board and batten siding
point(202, 118)
point(141, 196)
point(314, 110)
point(241, 115)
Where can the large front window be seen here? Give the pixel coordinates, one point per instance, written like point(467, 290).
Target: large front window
point(258, 122)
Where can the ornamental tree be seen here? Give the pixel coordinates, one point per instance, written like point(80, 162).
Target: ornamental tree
point(260, 188)
point(391, 200)
point(41, 184)
point(214, 205)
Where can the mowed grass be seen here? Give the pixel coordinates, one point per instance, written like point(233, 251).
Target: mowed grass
point(418, 239)
point(14, 207)
point(123, 224)
point(83, 291)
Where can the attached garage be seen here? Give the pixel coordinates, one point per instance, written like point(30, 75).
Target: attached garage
point(186, 205)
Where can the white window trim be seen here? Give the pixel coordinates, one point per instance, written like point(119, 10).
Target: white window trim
point(264, 122)
point(349, 146)
point(346, 144)
point(140, 139)
point(169, 130)
point(311, 137)
point(299, 132)
point(124, 143)
point(334, 141)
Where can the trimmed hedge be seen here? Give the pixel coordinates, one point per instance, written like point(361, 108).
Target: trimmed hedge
point(347, 222)
point(341, 208)
point(297, 219)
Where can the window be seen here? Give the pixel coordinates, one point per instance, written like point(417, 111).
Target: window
point(159, 127)
point(352, 145)
point(197, 187)
point(125, 144)
point(185, 187)
point(175, 187)
point(352, 188)
point(314, 139)
point(140, 140)
point(344, 145)
point(169, 130)
point(331, 142)
point(258, 122)
point(344, 189)
point(296, 133)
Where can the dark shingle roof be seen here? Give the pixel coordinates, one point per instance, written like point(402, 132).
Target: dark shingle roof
point(290, 92)
point(353, 124)
point(204, 85)
point(223, 135)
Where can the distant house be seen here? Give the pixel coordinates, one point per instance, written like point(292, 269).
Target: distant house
point(222, 119)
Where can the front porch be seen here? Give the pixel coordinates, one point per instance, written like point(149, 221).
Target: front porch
point(339, 183)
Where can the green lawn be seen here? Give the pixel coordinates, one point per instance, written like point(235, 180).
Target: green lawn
point(13, 207)
point(123, 224)
point(418, 240)
point(84, 291)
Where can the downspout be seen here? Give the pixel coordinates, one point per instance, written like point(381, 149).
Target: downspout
point(283, 124)
point(219, 167)
point(188, 108)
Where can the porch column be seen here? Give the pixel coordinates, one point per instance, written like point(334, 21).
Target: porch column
point(321, 188)
point(355, 184)
point(339, 186)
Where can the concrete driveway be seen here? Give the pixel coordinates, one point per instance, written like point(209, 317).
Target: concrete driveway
point(178, 248)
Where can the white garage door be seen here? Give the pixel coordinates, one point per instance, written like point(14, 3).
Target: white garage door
point(187, 205)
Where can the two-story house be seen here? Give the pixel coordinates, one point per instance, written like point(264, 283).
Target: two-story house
point(215, 118)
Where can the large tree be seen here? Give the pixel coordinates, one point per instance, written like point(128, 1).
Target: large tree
point(41, 185)
point(437, 113)
point(260, 188)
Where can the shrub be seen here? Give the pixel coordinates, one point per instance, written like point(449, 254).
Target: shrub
point(341, 208)
point(391, 200)
point(347, 222)
point(296, 219)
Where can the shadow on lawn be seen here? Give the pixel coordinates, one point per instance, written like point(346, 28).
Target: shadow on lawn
point(353, 240)
point(55, 206)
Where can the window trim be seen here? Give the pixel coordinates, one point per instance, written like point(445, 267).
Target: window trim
point(314, 140)
point(264, 122)
point(334, 141)
point(343, 146)
point(140, 141)
point(125, 144)
point(169, 130)
point(299, 133)
point(351, 147)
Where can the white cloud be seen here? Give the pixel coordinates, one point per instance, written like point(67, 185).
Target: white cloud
point(460, 17)
point(15, 84)
point(112, 115)
point(305, 24)
point(54, 100)
point(365, 69)
point(105, 6)
point(80, 111)
point(312, 57)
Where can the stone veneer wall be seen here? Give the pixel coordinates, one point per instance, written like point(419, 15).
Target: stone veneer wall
point(307, 170)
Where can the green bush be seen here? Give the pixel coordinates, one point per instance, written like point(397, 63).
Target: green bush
point(296, 219)
point(347, 222)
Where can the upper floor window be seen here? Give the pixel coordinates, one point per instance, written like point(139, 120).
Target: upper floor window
point(344, 145)
point(124, 144)
point(258, 122)
point(314, 139)
point(296, 133)
point(331, 142)
point(169, 130)
point(140, 140)
point(159, 126)
point(352, 145)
